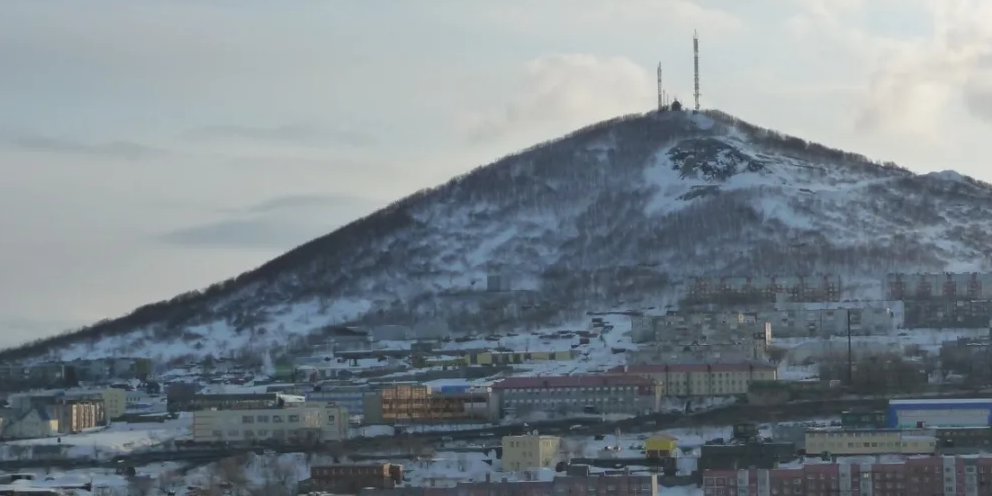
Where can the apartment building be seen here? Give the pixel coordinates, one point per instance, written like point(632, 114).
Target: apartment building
point(703, 379)
point(567, 485)
point(907, 476)
point(559, 395)
point(350, 479)
point(763, 289)
point(530, 452)
point(289, 424)
point(496, 358)
point(418, 403)
point(946, 286)
point(237, 401)
point(869, 441)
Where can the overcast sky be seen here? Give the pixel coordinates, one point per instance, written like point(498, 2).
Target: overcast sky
point(148, 148)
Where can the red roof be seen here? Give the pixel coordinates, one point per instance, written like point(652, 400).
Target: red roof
point(573, 381)
point(691, 367)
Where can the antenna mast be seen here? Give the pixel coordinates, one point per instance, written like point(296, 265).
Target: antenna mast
point(661, 92)
point(695, 60)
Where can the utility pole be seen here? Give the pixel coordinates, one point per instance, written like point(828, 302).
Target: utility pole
point(695, 63)
point(850, 359)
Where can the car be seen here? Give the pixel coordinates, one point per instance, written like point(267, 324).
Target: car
point(577, 427)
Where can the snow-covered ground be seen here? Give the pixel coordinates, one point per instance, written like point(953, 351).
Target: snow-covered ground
point(117, 439)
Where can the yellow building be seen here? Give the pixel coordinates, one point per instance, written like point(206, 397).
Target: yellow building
point(514, 357)
point(530, 452)
point(114, 402)
point(869, 442)
point(718, 379)
point(296, 423)
point(660, 446)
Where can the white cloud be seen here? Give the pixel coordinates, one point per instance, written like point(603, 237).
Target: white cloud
point(561, 92)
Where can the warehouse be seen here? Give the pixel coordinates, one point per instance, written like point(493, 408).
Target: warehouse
point(976, 412)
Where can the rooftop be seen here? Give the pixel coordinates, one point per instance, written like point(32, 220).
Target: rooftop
point(573, 381)
point(693, 367)
point(943, 401)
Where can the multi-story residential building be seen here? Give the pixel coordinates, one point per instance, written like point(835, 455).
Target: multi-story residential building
point(530, 452)
point(76, 416)
point(350, 479)
point(946, 286)
point(418, 403)
point(869, 441)
point(763, 289)
point(908, 476)
point(43, 375)
point(566, 485)
point(963, 440)
point(611, 393)
point(104, 370)
point(74, 411)
point(689, 326)
point(496, 358)
point(703, 379)
point(248, 401)
point(290, 424)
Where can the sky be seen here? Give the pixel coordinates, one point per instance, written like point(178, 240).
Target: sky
point(149, 148)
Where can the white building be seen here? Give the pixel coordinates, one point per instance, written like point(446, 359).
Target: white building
point(294, 423)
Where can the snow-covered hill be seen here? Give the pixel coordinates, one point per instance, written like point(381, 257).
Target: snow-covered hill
point(613, 216)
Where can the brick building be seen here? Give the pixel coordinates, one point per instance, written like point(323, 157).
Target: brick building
point(350, 479)
point(417, 403)
point(911, 476)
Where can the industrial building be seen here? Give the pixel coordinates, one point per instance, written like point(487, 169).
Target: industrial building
point(908, 476)
point(930, 413)
point(303, 423)
point(530, 452)
point(560, 395)
point(703, 379)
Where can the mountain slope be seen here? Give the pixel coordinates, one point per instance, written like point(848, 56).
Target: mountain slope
point(614, 215)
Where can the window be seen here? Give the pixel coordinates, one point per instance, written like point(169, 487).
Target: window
point(216, 433)
point(249, 434)
point(247, 419)
point(330, 418)
point(263, 419)
point(232, 433)
point(293, 418)
point(277, 419)
point(263, 433)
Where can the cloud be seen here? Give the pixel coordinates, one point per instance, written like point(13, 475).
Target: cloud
point(306, 201)
point(561, 92)
point(127, 150)
point(280, 222)
point(978, 91)
point(916, 79)
point(240, 233)
point(615, 16)
point(287, 134)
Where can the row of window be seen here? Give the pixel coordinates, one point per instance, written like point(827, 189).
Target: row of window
point(264, 419)
point(249, 434)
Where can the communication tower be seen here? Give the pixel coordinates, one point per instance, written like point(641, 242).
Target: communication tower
point(695, 60)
